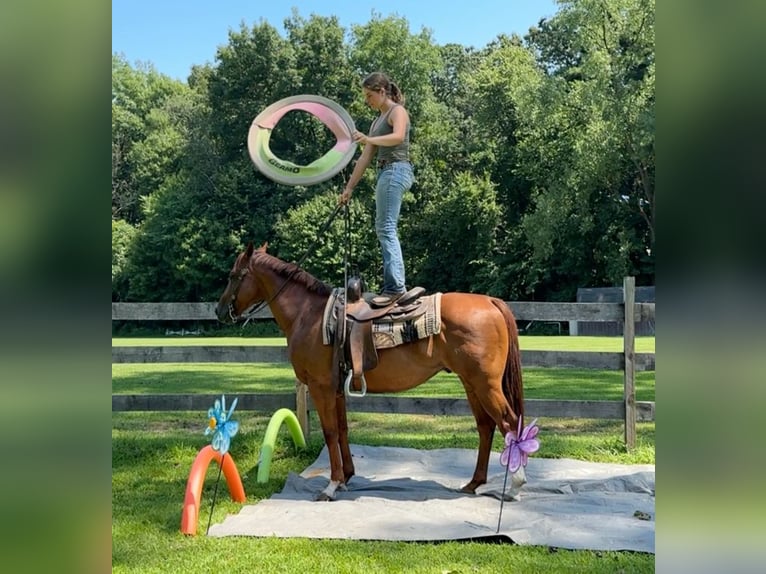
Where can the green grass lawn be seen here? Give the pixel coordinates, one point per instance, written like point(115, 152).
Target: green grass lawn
point(230, 378)
point(152, 454)
point(527, 342)
point(539, 383)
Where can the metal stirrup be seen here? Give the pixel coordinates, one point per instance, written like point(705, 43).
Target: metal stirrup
point(347, 386)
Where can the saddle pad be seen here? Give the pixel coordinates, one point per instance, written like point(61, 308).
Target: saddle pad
point(386, 333)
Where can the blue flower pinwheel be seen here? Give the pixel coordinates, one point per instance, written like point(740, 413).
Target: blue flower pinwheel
point(519, 447)
point(221, 425)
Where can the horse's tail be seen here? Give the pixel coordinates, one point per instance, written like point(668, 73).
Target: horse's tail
point(513, 387)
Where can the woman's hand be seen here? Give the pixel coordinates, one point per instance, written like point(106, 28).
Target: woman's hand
point(359, 137)
point(344, 197)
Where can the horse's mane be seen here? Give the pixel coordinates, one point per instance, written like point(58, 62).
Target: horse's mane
point(293, 272)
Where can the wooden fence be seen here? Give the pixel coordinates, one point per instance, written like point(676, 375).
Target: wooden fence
point(628, 313)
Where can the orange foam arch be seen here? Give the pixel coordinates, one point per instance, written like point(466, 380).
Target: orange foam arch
point(206, 455)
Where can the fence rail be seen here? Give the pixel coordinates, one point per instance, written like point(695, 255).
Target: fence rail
point(628, 361)
point(381, 404)
point(604, 361)
point(523, 311)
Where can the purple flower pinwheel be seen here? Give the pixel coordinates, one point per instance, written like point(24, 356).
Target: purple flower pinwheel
point(518, 447)
point(221, 425)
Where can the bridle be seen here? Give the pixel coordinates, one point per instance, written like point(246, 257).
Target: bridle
point(235, 291)
point(255, 308)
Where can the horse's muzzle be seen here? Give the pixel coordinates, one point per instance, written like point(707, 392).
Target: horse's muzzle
point(223, 312)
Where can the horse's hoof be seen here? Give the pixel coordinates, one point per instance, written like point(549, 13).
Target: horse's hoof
point(470, 488)
point(323, 497)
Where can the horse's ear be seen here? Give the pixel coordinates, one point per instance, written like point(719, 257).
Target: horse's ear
point(264, 246)
point(249, 250)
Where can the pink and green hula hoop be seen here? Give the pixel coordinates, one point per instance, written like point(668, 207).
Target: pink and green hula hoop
point(286, 172)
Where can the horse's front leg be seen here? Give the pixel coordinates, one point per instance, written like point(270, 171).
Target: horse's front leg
point(345, 448)
point(324, 401)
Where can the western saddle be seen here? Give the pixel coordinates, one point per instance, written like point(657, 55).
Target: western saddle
point(354, 350)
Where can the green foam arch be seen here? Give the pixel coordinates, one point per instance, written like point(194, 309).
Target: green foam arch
point(286, 172)
point(272, 430)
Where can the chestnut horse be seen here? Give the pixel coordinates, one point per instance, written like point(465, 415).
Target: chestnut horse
point(478, 342)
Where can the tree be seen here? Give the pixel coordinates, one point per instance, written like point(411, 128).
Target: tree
point(300, 233)
point(447, 242)
point(505, 73)
point(608, 56)
point(582, 139)
point(386, 45)
point(146, 140)
point(123, 234)
point(534, 157)
point(182, 252)
point(218, 201)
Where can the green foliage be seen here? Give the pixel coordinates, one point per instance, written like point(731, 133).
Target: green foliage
point(255, 69)
point(539, 383)
point(187, 256)
point(297, 234)
point(146, 136)
point(386, 45)
point(592, 214)
point(534, 156)
point(445, 241)
point(122, 236)
point(321, 57)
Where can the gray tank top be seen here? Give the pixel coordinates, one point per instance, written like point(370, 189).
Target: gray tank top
point(381, 127)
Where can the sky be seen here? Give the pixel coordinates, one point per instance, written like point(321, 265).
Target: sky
point(174, 35)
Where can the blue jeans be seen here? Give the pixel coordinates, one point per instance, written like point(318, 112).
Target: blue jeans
point(393, 180)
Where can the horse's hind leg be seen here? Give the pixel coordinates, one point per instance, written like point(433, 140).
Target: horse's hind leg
point(485, 424)
point(345, 449)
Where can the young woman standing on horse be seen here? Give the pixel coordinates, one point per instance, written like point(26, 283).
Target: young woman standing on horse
point(390, 137)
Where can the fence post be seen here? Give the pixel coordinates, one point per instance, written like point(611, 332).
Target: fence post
point(302, 407)
point(629, 349)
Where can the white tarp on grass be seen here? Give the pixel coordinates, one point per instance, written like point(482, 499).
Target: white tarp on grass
point(412, 495)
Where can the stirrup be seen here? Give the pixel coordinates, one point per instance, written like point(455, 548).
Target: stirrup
point(347, 386)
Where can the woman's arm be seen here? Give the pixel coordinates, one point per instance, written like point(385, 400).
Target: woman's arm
point(359, 168)
point(398, 120)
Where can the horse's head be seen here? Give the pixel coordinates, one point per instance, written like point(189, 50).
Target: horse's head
point(242, 290)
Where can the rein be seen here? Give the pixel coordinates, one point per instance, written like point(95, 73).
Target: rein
point(253, 310)
point(346, 258)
